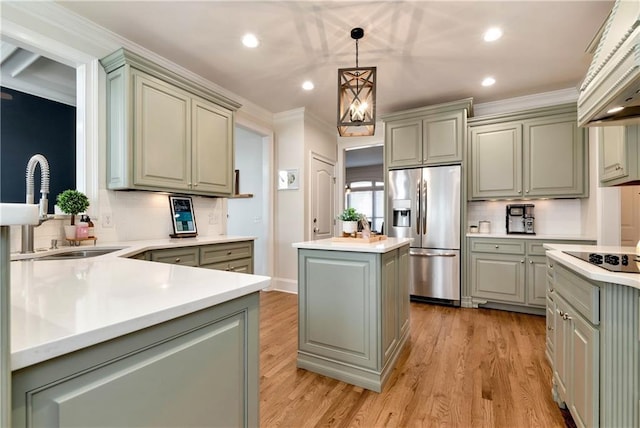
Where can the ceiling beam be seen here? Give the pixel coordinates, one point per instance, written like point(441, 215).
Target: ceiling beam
point(24, 64)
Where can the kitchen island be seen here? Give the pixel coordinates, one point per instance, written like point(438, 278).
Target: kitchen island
point(117, 341)
point(353, 308)
point(593, 337)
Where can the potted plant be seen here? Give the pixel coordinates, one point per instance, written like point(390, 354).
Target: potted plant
point(72, 202)
point(349, 218)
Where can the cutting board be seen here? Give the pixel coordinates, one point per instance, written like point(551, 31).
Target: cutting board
point(359, 239)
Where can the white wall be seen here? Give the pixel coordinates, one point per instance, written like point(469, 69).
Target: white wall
point(245, 215)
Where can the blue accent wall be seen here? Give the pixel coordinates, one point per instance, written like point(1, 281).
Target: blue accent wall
point(30, 125)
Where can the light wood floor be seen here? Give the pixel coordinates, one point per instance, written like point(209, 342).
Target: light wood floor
point(460, 368)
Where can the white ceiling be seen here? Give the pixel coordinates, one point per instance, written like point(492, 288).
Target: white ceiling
point(426, 51)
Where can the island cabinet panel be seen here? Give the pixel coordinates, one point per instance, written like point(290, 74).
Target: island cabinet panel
point(353, 316)
point(197, 370)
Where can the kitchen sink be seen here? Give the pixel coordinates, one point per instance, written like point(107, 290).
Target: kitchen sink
point(78, 254)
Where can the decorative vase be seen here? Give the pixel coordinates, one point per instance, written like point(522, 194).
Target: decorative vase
point(349, 227)
point(70, 232)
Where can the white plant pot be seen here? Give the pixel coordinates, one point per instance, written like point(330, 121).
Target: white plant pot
point(349, 226)
point(70, 232)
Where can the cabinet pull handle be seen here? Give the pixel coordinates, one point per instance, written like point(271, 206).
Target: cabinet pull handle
point(550, 328)
point(560, 313)
point(177, 259)
point(566, 316)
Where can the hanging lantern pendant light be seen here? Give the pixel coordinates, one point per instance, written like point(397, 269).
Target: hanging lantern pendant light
point(356, 97)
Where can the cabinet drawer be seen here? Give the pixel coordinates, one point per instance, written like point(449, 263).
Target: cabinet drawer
point(223, 252)
point(178, 256)
point(582, 294)
point(505, 247)
point(537, 247)
point(240, 265)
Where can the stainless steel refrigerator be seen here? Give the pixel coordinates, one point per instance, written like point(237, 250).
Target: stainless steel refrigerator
point(424, 204)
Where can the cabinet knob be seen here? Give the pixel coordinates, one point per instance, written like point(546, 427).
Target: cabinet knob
point(550, 265)
point(551, 290)
point(566, 316)
point(530, 262)
point(195, 185)
point(519, 190)
point(561, 313)
point(177, 259)
point(527, 191)
point(550, 328)
point(497, 246)
point(229, 253)
point(228, 268)
point(522, 261)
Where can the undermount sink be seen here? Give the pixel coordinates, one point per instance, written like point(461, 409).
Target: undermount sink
point(79, 254)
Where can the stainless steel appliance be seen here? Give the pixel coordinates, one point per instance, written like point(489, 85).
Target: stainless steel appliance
point(424, 204)
point(520, 219)
point(625, 263)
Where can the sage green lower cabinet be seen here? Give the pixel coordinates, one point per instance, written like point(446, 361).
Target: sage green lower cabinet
point(195, 371)
point(511, 272)
point(596, 348)
point(230, 256)
point(353, 315)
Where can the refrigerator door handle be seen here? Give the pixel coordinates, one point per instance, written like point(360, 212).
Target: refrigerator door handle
point(418, 209)
point(424, 208)
point(434, 255)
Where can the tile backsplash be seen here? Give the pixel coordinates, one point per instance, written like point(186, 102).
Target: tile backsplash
point(134, 216)
point(552, 216)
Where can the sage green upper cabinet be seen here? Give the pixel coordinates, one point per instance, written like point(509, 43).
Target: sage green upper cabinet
point(619, 155)
point(496, 153)
point(531, 154)
point(165, 132)
point(426, 136)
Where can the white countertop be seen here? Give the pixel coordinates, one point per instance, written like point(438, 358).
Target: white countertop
point(555, 252)
point(537, 236)
point(59, 306)
point(383, 246)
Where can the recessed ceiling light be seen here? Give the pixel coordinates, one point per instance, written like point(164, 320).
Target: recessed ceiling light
point(307, 85)
point(250, 41)
point(488, 81)
point(492, 34)
point(615, 109)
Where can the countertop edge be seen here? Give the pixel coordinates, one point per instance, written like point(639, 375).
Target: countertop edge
point(379, 247)
point(587, 270)
point(531, 237)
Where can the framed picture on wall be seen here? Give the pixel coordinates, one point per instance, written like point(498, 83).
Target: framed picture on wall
point(182, 217)
point(288, 179)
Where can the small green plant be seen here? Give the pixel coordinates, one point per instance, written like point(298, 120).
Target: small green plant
point(72, 202)
point(350, 214)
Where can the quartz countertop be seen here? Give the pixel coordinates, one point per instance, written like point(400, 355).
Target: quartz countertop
point(59, 306)
point(527, 236)
point(596, 273)
point(383, 246)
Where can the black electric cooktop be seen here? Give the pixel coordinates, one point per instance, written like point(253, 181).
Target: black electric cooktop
point(625, 263)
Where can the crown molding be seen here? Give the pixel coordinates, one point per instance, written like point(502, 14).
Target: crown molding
point(544, 99)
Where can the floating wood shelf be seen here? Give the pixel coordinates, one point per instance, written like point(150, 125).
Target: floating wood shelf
point(242, 195)
point(76, 241)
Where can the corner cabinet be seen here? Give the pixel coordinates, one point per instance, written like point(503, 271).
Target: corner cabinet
point(538, 153)
point(619, 155)
point(426, 136)
point(353, 318)
point(197, 370)
point(164, 132)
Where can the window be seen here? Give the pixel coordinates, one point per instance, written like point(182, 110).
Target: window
point(367, 197)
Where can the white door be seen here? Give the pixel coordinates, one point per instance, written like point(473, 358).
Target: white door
point(322, 198)
point(629, 215)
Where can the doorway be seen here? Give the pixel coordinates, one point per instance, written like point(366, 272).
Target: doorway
point(248, 213)
point(364, 183)
point(322, 197)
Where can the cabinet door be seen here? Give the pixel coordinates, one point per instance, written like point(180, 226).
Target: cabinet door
point(585, 370)
point(240, 265)
point(612, 153)
point(498, 277)
point(550, 326)
point(442, 138)
point(212, 152)
point(554, 158)
point(162, 135)
point(403, 143)
point(195, 379)
point(537, 280)
point(403, 291)
point(496, 161)
point(390, 295)
point(561, 350)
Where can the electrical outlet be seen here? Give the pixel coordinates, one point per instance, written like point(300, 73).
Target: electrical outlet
point(107, 220)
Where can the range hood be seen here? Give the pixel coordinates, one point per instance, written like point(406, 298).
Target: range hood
point(613, 78)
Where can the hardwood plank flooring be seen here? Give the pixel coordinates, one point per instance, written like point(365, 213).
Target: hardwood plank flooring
point(460, 368)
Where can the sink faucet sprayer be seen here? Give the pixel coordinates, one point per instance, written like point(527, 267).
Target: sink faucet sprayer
point(27, 230)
